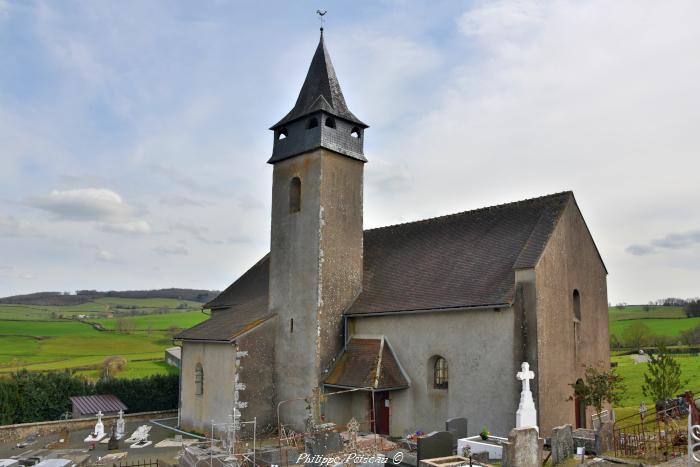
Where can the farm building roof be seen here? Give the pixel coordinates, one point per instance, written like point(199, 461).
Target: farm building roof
point(97, 403)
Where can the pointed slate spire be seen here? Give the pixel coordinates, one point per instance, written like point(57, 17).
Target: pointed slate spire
point(320, 117)
point(321, 90)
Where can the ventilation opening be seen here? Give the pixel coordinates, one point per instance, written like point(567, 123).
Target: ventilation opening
point(291, 325)
point(355, 133)
point(312, 123)
point(295, 195)
point(281, 134)
point(330, 122)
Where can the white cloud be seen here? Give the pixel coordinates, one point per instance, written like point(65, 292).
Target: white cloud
point(104, 255)
point(101, 205)
point(176, 250)
point(137, 227)
point(84, 204)
point(12, 227)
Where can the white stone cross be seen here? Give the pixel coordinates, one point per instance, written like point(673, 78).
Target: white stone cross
point(527, 413)
point(525, 376)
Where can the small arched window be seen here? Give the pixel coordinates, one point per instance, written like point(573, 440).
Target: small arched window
point(282, 134)
point(577, 305)
point(198, 380)
point(440, 373)
point(355, 133)
point(295, 195)
point(330, 122)
point(312, 123)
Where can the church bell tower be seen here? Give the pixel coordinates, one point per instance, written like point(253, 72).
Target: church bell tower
point(316, 232)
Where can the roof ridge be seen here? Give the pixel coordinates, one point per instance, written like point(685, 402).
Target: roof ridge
point(485, 208)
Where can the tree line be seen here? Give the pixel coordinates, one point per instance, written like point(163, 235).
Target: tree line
point(33, 397)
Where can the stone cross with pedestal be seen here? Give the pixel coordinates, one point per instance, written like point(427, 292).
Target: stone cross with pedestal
point(526, 416)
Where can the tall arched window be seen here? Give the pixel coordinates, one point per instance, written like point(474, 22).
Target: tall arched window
point(440, 373)
point(295, 195)
point(577, 305)
point(198, 380)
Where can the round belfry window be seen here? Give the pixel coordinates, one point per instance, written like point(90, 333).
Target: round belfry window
point(440, 373)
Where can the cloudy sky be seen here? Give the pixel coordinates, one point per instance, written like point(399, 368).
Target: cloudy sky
point(133, 134)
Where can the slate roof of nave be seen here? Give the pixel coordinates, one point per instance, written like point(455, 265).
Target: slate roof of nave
point(456, 261)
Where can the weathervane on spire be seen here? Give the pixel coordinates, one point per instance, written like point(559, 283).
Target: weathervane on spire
point(321, 15)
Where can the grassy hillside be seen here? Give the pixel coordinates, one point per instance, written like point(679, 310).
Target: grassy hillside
point(43, 338)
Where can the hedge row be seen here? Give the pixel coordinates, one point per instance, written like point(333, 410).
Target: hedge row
point(33, 397)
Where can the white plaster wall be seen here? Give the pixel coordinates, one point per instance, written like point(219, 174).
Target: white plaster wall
point(215, 404)
point(478, 346)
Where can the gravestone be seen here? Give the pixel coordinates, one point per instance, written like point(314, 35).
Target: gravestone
point(562, 443)
point(436, 444)
point(523, 448)
point(120, 425)
point(584, 438)
point(458, 428)
point(527, 413)
point(323, 443)
point(113, 443)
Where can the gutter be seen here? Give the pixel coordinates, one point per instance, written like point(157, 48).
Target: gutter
point(496, 306)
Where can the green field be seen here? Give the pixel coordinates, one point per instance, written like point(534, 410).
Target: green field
point(638, 312)
point(35, 338)
point(663, 327)
point(662, 321)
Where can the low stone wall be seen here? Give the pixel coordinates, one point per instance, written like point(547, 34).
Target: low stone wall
point(12, 433)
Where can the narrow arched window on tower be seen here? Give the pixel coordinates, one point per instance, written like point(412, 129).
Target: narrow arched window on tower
point(295, 195)
point(330, 122)
point(198, 380)
point(577, 305)
point(312, 123)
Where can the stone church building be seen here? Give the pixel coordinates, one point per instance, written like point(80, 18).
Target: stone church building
point(426, 320)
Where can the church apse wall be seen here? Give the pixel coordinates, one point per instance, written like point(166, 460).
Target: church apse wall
point(567, 343)
point(205, 370)
point(478, 348)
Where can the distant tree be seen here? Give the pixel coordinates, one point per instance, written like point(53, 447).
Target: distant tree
point(691, 336)
point(636, 335)
point(54, 315)
point(662, 380)
point(649, 306)
point(621, 306)
point(112, 365)
point(149, 330)
point(125, 326)
point(174, 330)
point(598, 387)
point(692, 308)
point(615, 342)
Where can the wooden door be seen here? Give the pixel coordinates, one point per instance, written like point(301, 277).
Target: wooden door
point(380, 417)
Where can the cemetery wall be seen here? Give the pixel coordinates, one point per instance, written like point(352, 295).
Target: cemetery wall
point(569, 262)
point(478, 346)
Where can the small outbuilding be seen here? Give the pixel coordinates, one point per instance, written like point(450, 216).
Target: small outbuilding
point(172, 356)
point(88, 406)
